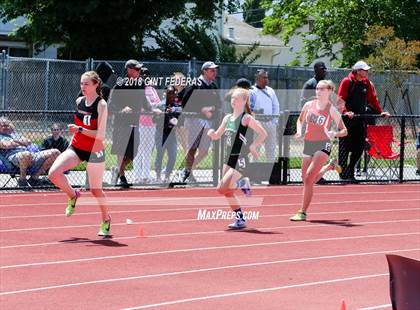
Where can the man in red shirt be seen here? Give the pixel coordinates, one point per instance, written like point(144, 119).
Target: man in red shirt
point(360, 98)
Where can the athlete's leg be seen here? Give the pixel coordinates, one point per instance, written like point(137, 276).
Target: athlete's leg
point(65, 161)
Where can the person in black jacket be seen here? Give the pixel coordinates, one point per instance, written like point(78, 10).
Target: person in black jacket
point(126, 101)
point(56, 140)
point(308, 90)
point(360, 97)
point(203, 99)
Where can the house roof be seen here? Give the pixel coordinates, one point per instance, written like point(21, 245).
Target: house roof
point(241, 33)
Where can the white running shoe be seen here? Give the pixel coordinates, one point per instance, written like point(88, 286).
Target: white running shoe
point(238, 224)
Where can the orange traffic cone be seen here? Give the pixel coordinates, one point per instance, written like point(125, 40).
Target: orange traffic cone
point(343, 305)
point(140, 233)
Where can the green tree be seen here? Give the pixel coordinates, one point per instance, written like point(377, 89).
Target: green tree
point(100, 29)
point(253, 13)
point(390, 52)
point(341, 21)
point(185, 41)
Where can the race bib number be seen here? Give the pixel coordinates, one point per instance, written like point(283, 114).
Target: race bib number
point(99, 154)
point(242, 163)
point(328, 147)
point(86, 119)
point(321, 120)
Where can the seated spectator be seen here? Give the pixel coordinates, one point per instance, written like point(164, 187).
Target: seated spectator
point(56, 140)
point(19, 152)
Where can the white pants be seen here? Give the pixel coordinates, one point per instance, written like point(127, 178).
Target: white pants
point(142, 162)
point(270, 143)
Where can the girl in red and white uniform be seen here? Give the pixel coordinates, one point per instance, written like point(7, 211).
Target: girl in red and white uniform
point(318, 115)
point(86, 145)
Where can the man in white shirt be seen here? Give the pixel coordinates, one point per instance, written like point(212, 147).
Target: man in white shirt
point(264, 101)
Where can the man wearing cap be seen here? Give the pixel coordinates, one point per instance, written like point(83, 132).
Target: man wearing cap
point(308, 91)
point(127, 99)
point(264, 101)
point(203, 99)
point(360, 98)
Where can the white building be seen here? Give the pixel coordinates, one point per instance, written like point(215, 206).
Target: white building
point(17, 48)
point(272, 49)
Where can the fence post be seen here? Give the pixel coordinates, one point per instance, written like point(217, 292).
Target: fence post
point(286, 149)
point(191, 67)
point(278, 77)
point(47, 85)
point(88, 64)
point(6, 77)
point(402, 149)
point(2, 79)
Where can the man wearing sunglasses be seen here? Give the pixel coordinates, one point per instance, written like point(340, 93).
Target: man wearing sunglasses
point(126, 101)
point(360, 98)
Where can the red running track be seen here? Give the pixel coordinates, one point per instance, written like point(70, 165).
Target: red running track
point(168, 259)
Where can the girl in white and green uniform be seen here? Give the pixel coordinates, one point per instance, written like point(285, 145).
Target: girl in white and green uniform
point(234, 126)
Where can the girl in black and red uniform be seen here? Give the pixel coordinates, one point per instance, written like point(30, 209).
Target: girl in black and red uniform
point(86, 145)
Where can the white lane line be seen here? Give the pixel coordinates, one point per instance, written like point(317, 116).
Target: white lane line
point(210, 232)
point(377, 307)
point(194, 200)
point(253, 203)
point(116, 192)
point(256, 264)
point(195, 219)
point(186, 250)
point(271, 289)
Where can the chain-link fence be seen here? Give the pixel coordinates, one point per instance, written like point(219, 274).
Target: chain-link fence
point(34, 93)
point(159, 159)
point(50, 84)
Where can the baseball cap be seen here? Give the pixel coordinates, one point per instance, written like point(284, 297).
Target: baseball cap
point(361, 65)
point(320, 65)
point(133, 64)
point(209, 65)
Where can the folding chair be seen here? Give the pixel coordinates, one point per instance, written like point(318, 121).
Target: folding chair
point(404, 278)
point(7, 168)
point(383, 163)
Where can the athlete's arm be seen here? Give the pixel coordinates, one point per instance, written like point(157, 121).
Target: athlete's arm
point(259, 130)
point(301, 120)
point(215, 135)
point(336, 116)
